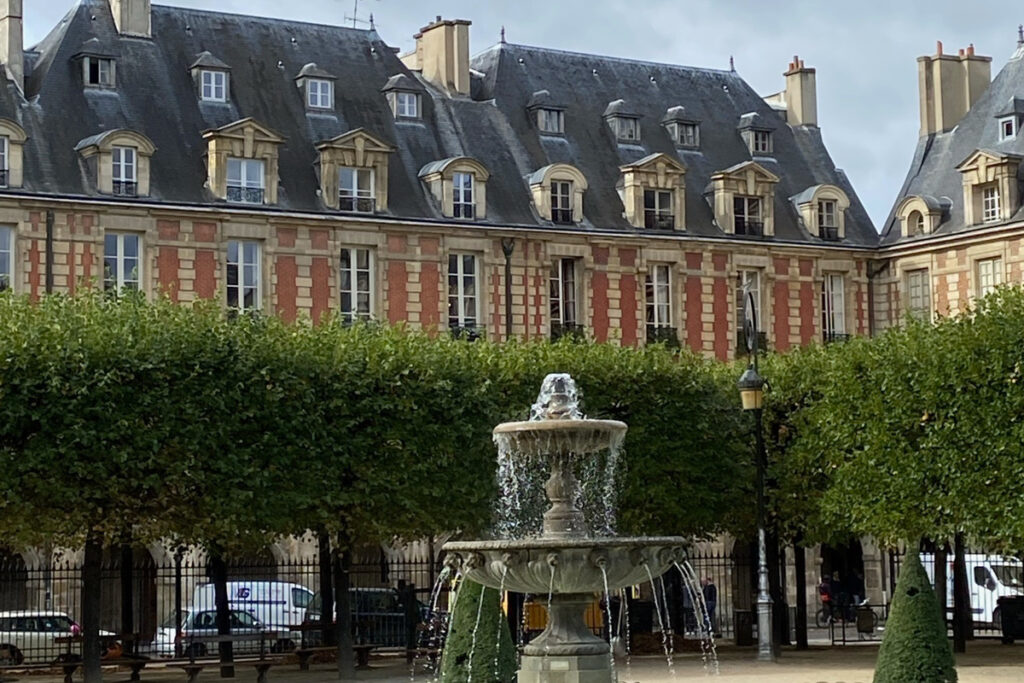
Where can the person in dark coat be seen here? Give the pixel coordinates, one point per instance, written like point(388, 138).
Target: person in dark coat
point(710, 592)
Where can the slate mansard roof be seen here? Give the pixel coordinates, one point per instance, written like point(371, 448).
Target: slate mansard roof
point(155, 95)
point(933, 174)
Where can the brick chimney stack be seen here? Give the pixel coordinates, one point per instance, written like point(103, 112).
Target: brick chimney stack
point(442, 54)
point(12, 41)
point(949, 85)
point(133, 17)
point(801, 94)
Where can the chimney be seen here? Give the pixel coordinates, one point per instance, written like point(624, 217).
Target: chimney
point(801, 94)
point(949, 85)
point(12, 42)
point(442, 54)
point(132, 17)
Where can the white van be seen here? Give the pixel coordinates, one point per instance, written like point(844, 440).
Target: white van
point(278, 605)
point(989, 577)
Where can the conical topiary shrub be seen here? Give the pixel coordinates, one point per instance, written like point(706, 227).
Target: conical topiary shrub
point(491, 654)
point(915, 648)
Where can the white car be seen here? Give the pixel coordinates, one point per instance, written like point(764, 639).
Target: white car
point(178, 633)
point(27, 637)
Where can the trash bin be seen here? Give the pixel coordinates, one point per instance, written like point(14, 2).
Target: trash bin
point(743, 619)
point(641, 616)
point(1011, 613)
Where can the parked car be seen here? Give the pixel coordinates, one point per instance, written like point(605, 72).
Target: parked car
point(989, 577)
point(27, 637)
point(279, 605)
point(195, 623)
point(378, 617)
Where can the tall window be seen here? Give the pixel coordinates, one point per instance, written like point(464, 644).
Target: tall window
point(122, 262)
point(6, 257)
point(748, 281)
point(684, 134)
point(747, 213)
point(551, 120)
point(828, 225)
point(407, 105)
point(658, 287)
point(463, 300)
point(244, 278)
point(990, 204)
point(356, 187)
point(356, 284)
point(563, 297)
point(319, 94)
point(658, 210)
point(5, 160)
point(919, 294)
point(627, 128)
point(125, 181)
point(99, 72)
point(990, 275)
point(561, 201)
point(762, 142)
point(213, 86)
point(462, 198)
point(833, 308)
point(245, 181)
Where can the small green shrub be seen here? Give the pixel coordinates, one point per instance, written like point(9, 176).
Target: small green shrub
point(491, 653)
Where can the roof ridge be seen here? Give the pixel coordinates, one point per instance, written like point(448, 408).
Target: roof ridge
point(278, 20)
point(625, 60)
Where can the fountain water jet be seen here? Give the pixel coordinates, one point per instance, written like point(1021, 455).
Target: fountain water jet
point(586, 564)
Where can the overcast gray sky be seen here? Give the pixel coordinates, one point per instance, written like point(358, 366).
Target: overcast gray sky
point(865, 51)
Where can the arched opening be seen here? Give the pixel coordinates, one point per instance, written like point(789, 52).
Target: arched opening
point(14, 588)
point(129, 574)
point(915, 223)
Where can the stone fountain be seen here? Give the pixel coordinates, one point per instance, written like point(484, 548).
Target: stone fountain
point(566, 562)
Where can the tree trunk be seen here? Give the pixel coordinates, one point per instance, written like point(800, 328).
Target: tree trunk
point(961, 597)
point(127, 616)
point(91, 579)
point(343, 623)
point(219, 576)
point(326, 588)
point(800, 561)
point(942, 580)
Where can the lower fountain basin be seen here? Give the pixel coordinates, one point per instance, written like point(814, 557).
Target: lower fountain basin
point(525, 566)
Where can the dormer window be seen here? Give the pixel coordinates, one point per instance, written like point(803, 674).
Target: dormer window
point(551, 121)
point(119, 160)
point(245, 181)
point(762, 142)
point(625, 123)
point(99, 72)
point(1007, 128)
point(558, 193)
point(990, 204)
point(407, 105)
point(823, 211)
point(915, 223)
point(561, 202)
point(658, 210)
point(12, 146)
point(356, 189)
point(756, 131)
point(125, 183)
point(214, 86)
point(747, 214)
point(653, 192)
point(459, 185)
point(319, 94)
point(462, 196)
point(684, 134)
point(743, 199)
point(828, 224)
point(242, 162)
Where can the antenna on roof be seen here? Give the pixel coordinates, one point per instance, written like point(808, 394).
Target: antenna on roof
point(502, 35)
point(732, 64)
point(1020, 35)
point(355, 17)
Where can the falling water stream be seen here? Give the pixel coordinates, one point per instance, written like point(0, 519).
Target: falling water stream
point(498, 631)
point(608, 617)
point(476, 627)
point(624, 601)
point(709, 651)
point(661, 623)
point(668, 619)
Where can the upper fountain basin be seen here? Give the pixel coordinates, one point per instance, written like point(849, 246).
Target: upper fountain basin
point(525, 566)
point(534, 438)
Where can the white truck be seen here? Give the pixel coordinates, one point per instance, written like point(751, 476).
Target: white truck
point(989, 577)
point(278, 605)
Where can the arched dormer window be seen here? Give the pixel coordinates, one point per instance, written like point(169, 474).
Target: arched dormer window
point(558, 193)
point(12, 147)
point(119, 162)
point(242, 160)
point(654, 192)
point(920, 215)
point(744, 198)
point(459, 184)
point(354, 172)
point(823, 211)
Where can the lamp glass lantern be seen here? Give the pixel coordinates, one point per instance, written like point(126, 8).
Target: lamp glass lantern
point(751, 386)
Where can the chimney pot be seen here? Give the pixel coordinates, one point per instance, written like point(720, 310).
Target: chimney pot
point(962, 51)
point(970, 50)
point(938, 47)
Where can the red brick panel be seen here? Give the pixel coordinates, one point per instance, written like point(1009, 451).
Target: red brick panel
point(807, 326)
point(600, 255)
point(204, 232)
point(168, 230)
point(286, 237)
point(398, 296)
point(430, 295)
point(806, 267)
point(35, 270)
point(627, 257)
point(206, 273)
point(321, 288)
point(599, 286)
point(430, 246)
point(694, 309)
point(87, 263)
point(628, 304)
point(319, 239)
point(720, 291)
point(72, 275)
point(167, 265)
point(780, 310)
point(287, 290)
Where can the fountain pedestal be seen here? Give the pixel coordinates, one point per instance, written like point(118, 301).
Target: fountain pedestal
point(566, 651)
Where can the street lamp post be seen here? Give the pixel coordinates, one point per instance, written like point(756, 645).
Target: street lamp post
point(751, 386)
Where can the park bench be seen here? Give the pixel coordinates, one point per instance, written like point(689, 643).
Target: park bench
point(304, 654)
point(363, 651)
point(261, 663)
point(70, 662)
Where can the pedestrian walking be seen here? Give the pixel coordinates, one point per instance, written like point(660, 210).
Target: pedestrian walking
point(710, 592)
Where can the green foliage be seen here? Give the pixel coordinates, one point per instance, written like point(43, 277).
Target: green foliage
point(915, 648)
point(479, 645)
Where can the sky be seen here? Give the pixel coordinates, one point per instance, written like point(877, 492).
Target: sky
point(865, 52)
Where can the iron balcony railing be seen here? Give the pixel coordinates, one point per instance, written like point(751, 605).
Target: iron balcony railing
point(663, 334)
point(741, 342)
point(245, 195)
point(830, 232)
point(561, 216)
point(357, 204)
point(126, 188)
point(467, 332)
point(831, 337)
point(748, 227)
point(659, 221)
point(567, 331)
point(464, 210)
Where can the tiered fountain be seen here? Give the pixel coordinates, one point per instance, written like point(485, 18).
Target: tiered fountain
point(566, 562)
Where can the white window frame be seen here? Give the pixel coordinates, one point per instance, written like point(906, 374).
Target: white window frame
point(464, 291)
point(828, 213)
point(990, 274)
point(363, 199)
point(991, 204)
point(659, 210)
point(245, 265)
point(551, 121)
point(564, 292)
point(105, 70)
point(658, 292)
point(746, 215)
point(627, 128)
point(833, 301)
point(244, 180)
point(684, 134)
point(115, 248)
point(124, 169)
point(350, 268)
point(407, 105)
point(319, 93)
point(562, 202)
point(761, 142)
point(1007, 132)
point(8, 235)
point(213, 85)
point(464, 195)
point(919, 293)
